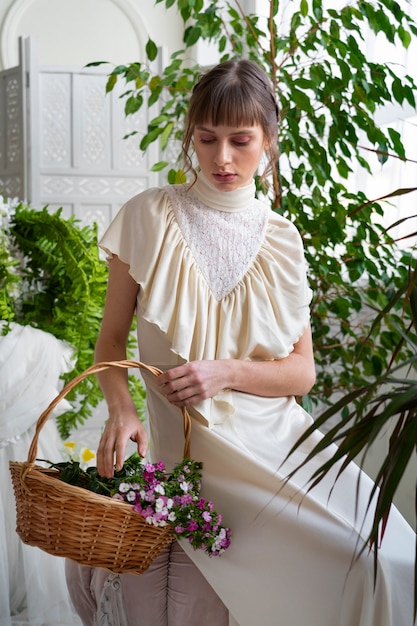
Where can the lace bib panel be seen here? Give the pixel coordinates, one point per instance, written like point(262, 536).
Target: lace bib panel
point(224, 244)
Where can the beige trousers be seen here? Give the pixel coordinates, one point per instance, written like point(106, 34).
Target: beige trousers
point(171, 592)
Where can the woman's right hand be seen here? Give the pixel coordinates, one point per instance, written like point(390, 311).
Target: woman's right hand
point(119, 429)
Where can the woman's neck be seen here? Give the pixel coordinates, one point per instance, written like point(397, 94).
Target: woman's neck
point(229, 201)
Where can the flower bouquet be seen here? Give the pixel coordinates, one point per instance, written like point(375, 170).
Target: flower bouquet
point(161, 498)
point(175, 498)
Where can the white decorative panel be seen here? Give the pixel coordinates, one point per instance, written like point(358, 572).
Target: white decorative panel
point(92, 127)
point(89, 214)
point(11, 134)
point(173, 152)
point(64, 186)
point(55, 120)
point(13, 117)
point(11, 186)
point(76, 156)
point(126, 153)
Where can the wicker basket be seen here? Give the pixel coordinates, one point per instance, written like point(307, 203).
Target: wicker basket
point(68, 521)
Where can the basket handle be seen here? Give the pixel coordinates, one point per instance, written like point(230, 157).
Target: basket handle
point(93, 369)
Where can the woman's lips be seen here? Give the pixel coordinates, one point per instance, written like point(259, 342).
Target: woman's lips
point(224, 177)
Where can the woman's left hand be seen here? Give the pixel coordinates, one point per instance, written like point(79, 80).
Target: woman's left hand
point(193, 382)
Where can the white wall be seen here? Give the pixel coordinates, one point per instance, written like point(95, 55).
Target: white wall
point(76, 32)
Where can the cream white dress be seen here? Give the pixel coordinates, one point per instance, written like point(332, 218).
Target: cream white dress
point(222, 276)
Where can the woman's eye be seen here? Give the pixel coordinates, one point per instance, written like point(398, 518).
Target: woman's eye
point(235, 141)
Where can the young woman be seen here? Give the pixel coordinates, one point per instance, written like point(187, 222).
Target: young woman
point(218, 284)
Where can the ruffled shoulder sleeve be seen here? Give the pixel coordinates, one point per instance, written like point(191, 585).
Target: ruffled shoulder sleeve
point(283, 268)
point(137, 232)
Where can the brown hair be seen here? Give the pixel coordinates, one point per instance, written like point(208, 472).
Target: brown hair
point(234, 93)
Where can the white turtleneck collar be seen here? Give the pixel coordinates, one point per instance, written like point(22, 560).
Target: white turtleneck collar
point(229, 201)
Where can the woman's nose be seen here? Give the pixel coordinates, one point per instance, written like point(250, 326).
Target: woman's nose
point(222, 155)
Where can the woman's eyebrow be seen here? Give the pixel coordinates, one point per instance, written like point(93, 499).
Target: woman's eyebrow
point(242, 131)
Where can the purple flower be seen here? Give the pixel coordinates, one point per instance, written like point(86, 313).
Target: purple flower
point(175, 499)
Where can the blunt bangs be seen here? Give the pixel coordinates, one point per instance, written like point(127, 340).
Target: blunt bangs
point(228, 106)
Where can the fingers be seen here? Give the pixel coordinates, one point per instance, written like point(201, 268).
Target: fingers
point(106, 452)
point(184, 385)
point(111, 452)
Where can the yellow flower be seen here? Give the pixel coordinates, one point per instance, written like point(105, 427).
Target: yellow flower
point(70, 445)
point(87, 455)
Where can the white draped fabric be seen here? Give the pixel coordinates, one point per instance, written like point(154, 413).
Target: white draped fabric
point(32, 583)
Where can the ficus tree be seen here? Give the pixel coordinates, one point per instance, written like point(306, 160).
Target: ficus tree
point(364, 305)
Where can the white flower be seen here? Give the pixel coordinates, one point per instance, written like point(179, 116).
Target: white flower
point(159, 505)
point(124, 487)
point(131, 496)
point(160, 489)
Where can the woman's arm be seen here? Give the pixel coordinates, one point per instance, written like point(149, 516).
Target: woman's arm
point(293, 375)
point(123, 422)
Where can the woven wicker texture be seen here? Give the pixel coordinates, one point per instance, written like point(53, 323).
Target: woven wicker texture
point(68, 521)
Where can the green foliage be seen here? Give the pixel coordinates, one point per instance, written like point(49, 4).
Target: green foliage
point(52, 278)
point(72, 473)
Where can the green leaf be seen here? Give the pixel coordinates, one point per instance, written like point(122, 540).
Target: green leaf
point(165, 135)
point(111, 81)
point(304, 8)
point(191, 35)
point(150, 138)
point(133, 104)
point(151, 50)
point(157, 167)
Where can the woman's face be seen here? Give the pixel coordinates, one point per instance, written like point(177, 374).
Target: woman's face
point(229, 156)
